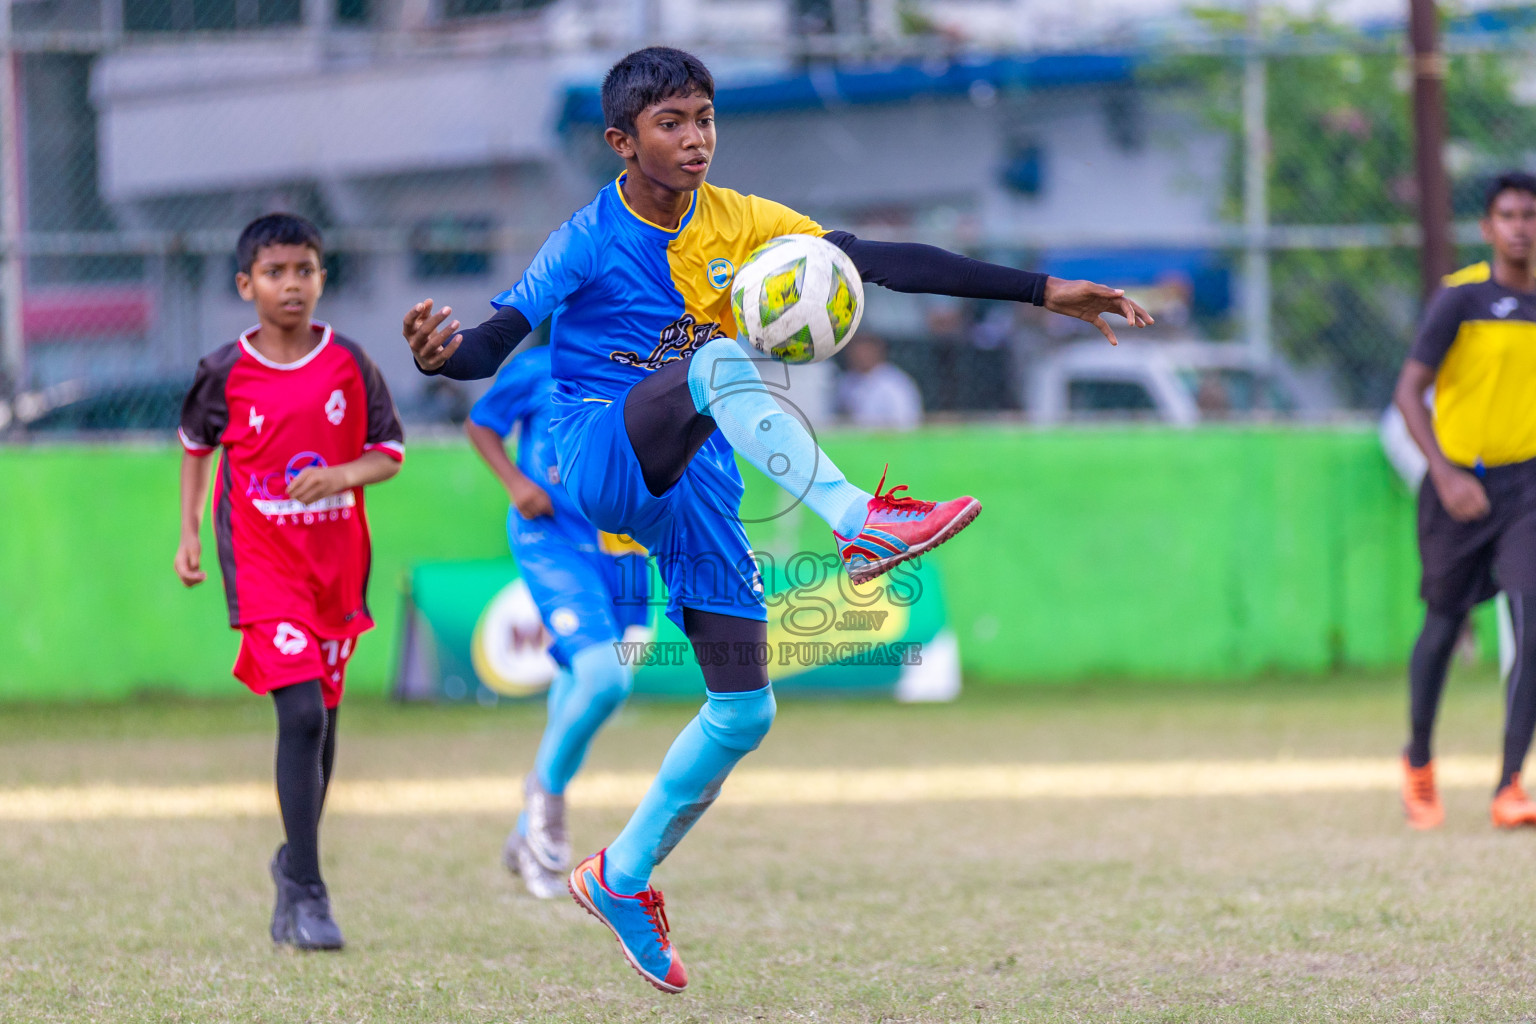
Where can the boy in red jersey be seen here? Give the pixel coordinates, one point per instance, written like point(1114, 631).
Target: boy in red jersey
point(306, 422)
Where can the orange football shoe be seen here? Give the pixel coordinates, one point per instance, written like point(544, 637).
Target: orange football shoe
point(639, 922)
point(1511, 807)
point(1421, 801)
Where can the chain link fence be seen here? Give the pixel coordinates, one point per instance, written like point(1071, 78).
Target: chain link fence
point(138, 137)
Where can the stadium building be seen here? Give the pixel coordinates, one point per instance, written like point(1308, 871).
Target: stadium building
point(437, 142)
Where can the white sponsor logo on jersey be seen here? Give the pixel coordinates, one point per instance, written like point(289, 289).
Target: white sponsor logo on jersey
point(256, 420)
point(336, 407)
point(289, 639)
point(1505, 306)
point(290, 507)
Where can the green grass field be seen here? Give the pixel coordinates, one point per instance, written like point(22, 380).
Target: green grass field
point(1278, 907)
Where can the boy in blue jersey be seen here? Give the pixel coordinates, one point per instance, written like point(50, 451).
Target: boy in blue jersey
point(589, 587)
point(654, 399)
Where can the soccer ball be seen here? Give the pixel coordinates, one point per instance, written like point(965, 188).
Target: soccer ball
point(797, 298)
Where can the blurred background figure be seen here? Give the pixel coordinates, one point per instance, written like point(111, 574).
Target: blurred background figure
point(874, 393)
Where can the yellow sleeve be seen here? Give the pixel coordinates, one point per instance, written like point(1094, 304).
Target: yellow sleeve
point(770, 220)
point(1477, 273)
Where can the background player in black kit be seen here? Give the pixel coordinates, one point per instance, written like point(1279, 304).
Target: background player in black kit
point(1477, 511)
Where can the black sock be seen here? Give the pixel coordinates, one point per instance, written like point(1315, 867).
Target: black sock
point(327, 756)
point(301, 722)
point(1520, 702)
point(1426, 678)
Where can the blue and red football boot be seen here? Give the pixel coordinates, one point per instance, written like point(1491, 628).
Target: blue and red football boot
point(639, 922)
point(899, 527)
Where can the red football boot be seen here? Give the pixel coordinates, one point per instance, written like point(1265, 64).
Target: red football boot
point(898, 528)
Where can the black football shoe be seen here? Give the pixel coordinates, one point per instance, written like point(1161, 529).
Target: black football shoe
point(282, 910)
point(312, 926)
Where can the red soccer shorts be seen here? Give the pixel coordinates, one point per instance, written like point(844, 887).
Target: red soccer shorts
point(280, 653)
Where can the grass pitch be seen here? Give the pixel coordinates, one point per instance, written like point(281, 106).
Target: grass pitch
point(1235, 905)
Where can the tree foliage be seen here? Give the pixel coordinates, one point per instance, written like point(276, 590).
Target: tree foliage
point(1339, 122)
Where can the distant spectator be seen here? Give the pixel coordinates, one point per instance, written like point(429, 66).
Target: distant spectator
point(873, 393)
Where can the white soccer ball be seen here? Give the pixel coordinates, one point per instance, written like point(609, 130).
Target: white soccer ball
point(797, 298)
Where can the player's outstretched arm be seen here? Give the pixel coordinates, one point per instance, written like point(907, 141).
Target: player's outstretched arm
point(316, 482)
point(530, 499)
point(196, 473)
point(913, 267)
point(439, 347)
point(1460, 492)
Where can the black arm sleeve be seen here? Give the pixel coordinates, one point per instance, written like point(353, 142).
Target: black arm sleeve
point(912, 267)
point(486, 347)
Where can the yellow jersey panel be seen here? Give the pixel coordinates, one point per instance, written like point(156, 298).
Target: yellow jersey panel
point(726, 226)
point(619, 544)
point(1485, 394)
point(1477, 273)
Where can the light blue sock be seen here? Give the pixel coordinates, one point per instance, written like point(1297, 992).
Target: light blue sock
point(727, 727)
point(559, 689)
point(580, 701)
point(725, 385)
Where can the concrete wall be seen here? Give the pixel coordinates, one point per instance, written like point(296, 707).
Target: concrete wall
point(1134, 554)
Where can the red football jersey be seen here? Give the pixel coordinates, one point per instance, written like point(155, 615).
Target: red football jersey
point(282, 559)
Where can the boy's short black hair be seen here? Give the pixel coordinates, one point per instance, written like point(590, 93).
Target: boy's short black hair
point(1518, 181)
point(647, 77)
point(275, 229)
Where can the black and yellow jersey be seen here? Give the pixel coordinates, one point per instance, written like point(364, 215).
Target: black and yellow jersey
point(1480, 338)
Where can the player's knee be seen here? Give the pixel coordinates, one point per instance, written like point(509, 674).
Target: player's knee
point(605, 680)
point(738, 720)
point(300, 712)
point(716, 366)
point(610, 688)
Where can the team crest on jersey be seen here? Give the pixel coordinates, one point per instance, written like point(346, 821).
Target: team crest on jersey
point(678, 339)
point(1505, 306)
point(336, 408)
point(721, 271)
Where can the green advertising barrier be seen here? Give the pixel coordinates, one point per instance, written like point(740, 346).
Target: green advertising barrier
point(471, 633)
point(1126, 553)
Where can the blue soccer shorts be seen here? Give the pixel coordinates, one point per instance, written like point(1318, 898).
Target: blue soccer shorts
point(585, 596)
point(693, 530)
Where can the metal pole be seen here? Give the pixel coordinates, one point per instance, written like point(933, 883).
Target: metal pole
point(1436, 257)
point(1256, 290)
point(13, 352)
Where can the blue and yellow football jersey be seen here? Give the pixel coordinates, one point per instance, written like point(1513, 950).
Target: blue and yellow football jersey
point(625, 296)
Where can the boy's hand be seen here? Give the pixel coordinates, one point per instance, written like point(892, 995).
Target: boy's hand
point(1088, 301)
point(188, 554)
point(428, 340)
point(532, 501)
point(1460, 492)
point(316, 482)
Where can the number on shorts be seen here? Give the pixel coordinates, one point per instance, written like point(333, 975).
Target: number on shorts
point(336, 650)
